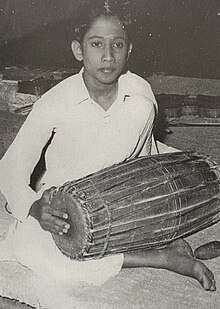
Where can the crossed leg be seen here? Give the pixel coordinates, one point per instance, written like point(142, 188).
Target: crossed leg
point(6, 253)
point(176, 257)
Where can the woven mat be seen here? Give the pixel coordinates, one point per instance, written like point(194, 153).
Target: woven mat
point(131, 289)
point(200, 139)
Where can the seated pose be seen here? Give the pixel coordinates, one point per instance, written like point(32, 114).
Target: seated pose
point(99, 117)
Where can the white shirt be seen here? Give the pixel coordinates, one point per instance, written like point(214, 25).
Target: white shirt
point(87, 137)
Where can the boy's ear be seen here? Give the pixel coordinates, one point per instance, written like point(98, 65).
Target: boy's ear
point(129, 50)
point(77, 50)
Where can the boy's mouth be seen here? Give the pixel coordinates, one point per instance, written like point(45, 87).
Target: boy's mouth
point(107, 70)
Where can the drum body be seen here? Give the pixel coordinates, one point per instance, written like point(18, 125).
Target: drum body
point(140, 204)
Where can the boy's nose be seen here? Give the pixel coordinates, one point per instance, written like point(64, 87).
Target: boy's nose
point(108, 54)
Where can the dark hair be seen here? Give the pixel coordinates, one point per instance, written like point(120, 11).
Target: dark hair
point(91, 10)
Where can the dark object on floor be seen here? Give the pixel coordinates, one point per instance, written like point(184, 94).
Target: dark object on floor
point(36, 87)
point(170, 104)
point(141, 204)
point(208, 251)
point(168, 131)
point(189, 107)
point(209, 106)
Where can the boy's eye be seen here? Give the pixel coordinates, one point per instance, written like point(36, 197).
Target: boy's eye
point(119, 44)
point(97, 44)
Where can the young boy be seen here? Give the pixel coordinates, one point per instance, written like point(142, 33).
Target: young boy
point(102, 116)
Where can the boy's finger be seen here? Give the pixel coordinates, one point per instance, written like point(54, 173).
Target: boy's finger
point(55, 212)
point(59, 223)
point(53, 228)
point(58, 213)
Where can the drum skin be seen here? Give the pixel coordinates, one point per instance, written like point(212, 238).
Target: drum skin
point(140, 204)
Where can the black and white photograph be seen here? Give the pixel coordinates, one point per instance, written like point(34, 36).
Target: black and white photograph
point(109, 154)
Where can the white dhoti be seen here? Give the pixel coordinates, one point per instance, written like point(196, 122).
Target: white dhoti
point(35, 248)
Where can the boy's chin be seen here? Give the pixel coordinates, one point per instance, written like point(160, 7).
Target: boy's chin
point(109, 79)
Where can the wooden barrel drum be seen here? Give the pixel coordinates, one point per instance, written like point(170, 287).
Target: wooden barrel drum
point(140, 204)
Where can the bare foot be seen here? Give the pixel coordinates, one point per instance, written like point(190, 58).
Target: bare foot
point(180, 259)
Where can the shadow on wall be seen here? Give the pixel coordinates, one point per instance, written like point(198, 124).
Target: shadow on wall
point(179, 41)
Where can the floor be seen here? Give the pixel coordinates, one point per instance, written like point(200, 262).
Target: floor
point(132, 288)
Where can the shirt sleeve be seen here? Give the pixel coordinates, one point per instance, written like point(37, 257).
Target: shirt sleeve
point(20, 159)
point(150, 146)
point(139, 85)
point(146, 137)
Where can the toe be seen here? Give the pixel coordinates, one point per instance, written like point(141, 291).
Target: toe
point(213, 286)
point(208, 284)
point(205, 277)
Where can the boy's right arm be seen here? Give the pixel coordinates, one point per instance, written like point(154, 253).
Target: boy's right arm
point(50, 219)
point(22, 156)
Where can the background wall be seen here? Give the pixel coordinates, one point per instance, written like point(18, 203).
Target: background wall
point(179, 37)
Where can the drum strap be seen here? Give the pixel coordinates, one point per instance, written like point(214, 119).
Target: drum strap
point(109, 222)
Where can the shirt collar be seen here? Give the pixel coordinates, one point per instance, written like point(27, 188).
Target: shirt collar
point(83, 93)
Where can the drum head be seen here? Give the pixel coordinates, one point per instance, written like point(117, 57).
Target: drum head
point(72, 244)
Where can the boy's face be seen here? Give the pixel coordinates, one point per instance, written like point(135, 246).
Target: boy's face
point(104, 51)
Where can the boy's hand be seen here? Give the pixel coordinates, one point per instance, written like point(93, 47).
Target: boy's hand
point(50, 219)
